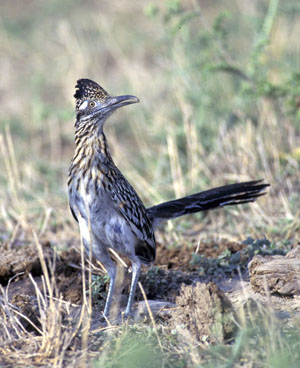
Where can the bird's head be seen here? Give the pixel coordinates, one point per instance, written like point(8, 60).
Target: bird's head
point(94, 104)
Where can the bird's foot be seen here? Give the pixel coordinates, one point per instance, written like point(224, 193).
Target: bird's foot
point(110, 320)
point(128, 315)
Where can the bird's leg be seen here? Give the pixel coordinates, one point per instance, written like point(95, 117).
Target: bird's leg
point(99, 250)
point(136, 269)
point(111, 270)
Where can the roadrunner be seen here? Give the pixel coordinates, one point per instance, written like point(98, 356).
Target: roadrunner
point(109, 211)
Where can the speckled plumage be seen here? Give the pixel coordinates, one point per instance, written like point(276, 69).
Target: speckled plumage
point(108, 209)
point(87, 89)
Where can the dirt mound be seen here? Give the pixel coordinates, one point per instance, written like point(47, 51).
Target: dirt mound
point(20, 258)
point(204, 312)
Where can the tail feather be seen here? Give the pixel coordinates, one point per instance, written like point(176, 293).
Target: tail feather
point(226, 195)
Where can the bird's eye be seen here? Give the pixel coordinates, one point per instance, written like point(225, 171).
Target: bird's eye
point(92, 104)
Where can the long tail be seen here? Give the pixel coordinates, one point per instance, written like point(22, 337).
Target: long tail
point(226, 195)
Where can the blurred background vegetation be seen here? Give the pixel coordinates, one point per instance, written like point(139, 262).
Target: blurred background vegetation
point(219, 88)
point(219, 85)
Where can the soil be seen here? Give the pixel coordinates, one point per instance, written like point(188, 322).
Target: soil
point(185, 299)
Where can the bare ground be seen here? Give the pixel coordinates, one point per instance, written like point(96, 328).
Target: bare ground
point(178, 293)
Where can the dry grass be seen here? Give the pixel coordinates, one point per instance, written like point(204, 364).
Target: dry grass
point(178, 140)
point(63, 336)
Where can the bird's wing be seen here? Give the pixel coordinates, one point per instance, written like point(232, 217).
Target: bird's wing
point(132, 209)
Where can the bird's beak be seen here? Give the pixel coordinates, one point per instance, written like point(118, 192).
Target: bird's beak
point(113, 103)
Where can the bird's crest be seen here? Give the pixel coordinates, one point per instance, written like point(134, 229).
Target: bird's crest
point(88, 89)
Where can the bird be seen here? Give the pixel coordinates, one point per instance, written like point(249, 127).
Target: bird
point(109, 211)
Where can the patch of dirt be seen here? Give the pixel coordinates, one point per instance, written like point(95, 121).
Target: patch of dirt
point(180, 257)
point(214, 249)
point(173, 257)
point(163, 285)
point(23, 286)
point(27, 305)
point(70, 287)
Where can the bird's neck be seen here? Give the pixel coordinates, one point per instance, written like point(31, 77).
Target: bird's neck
point(91, 143)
